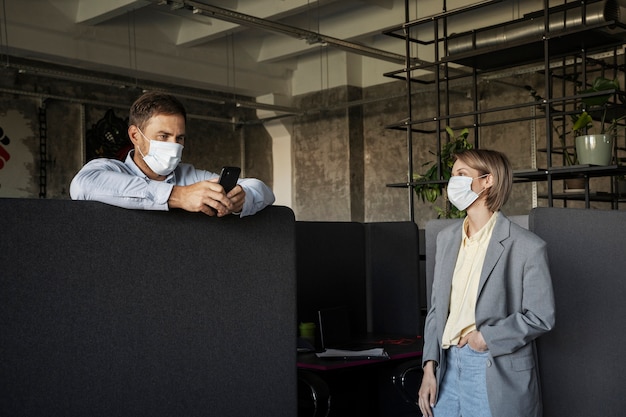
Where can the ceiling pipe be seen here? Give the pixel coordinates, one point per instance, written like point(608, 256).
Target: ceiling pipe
point(119, 83)
point(587, 14)
point(292, 31)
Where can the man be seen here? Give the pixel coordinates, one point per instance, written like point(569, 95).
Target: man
point(152, 177)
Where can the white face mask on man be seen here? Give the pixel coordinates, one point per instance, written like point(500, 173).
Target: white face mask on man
point(163, 157)
point(460, 191)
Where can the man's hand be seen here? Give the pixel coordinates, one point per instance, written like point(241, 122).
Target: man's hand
point(207, 197)
point(428, 390)
point(237, 197)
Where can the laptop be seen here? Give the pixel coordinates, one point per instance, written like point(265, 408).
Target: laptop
point(338, 341)
point(334, 325)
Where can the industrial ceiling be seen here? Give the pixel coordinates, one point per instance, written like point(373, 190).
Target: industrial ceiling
point(269, 50)
point(249, 47)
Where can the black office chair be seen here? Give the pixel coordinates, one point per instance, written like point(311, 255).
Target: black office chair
point(313, 395)
point(406, 378)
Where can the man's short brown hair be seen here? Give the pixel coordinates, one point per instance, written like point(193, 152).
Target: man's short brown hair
point(153, 103)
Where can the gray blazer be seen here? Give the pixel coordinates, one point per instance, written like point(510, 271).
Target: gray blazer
point(515, 305)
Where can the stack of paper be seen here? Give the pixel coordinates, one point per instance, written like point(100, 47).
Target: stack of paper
point(375, 353)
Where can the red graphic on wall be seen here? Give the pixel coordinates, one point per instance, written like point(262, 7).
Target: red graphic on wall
point(4, 154)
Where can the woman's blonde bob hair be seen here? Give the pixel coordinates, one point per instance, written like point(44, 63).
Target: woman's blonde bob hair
point(492, 162)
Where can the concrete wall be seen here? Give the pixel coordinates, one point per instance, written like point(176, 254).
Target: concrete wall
point(342, 157)
point(329, 158)
point(327, 180)
point(68, 109)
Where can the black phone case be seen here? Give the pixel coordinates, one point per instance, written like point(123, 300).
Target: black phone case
point(229, 177)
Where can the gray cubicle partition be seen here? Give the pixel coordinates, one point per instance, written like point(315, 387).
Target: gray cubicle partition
point(582, 365)
point(372, 268)
point(113, 312)
point(331, 271)
point(394, 277)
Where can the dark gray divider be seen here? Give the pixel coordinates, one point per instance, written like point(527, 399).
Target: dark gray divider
point(113, 312)
point(393, 268)
point(582, 367)
point(331, 270)
point(373, 268)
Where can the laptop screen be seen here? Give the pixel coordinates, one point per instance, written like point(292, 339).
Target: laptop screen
point(334, 327)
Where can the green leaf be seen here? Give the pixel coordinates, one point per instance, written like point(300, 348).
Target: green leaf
point(583, 120)
point(600, 84)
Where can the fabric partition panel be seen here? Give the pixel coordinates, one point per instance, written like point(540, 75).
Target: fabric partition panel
point(372, 268)
point(393, 274)
point(582, 369)
point(113, 312)
point(331, 270)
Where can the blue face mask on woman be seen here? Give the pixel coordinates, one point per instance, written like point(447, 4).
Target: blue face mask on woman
point(460, 191)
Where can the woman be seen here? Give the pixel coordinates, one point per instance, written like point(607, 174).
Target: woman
point(491, 298)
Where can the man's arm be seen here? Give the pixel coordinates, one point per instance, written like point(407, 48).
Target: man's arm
point(113, 182)
point(258, 196)
point(110, 181)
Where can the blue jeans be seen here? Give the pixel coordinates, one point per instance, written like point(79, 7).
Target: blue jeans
point(463, 390)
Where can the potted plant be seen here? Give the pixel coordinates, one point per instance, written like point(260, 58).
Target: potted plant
point(596, 149)
point(429, 186)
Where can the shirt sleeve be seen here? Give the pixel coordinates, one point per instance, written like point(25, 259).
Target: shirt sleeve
point(258, 196)
point(111, 182)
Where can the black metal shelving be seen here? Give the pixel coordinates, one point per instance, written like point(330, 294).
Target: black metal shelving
point(551, 40)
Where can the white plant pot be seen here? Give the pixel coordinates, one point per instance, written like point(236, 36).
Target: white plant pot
point(594, 149)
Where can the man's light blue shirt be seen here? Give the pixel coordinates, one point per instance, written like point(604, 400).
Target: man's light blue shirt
point(123, 184)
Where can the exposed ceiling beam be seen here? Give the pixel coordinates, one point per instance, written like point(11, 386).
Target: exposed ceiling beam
point(307, 35)
point(220, 28)
point(96, 12)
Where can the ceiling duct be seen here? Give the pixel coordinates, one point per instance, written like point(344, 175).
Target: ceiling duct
point(600, 15)
point(277, 27)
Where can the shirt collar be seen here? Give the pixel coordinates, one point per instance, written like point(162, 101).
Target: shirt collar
point(483, 233)
point(130, 163)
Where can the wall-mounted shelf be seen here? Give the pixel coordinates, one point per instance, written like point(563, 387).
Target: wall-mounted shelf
point(566, 39)
point(573, 171)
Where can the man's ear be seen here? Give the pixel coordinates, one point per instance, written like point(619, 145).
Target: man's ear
point(133, 134)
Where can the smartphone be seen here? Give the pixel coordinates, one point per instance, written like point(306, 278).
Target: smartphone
point(229, 177)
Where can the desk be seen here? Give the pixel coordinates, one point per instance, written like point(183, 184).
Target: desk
point(397, 347)
point(363, 387)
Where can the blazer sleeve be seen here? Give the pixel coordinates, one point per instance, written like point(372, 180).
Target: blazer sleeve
point(448, 242)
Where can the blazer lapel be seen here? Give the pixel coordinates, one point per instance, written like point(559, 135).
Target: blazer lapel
point(501, 232)
point(451, 252)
